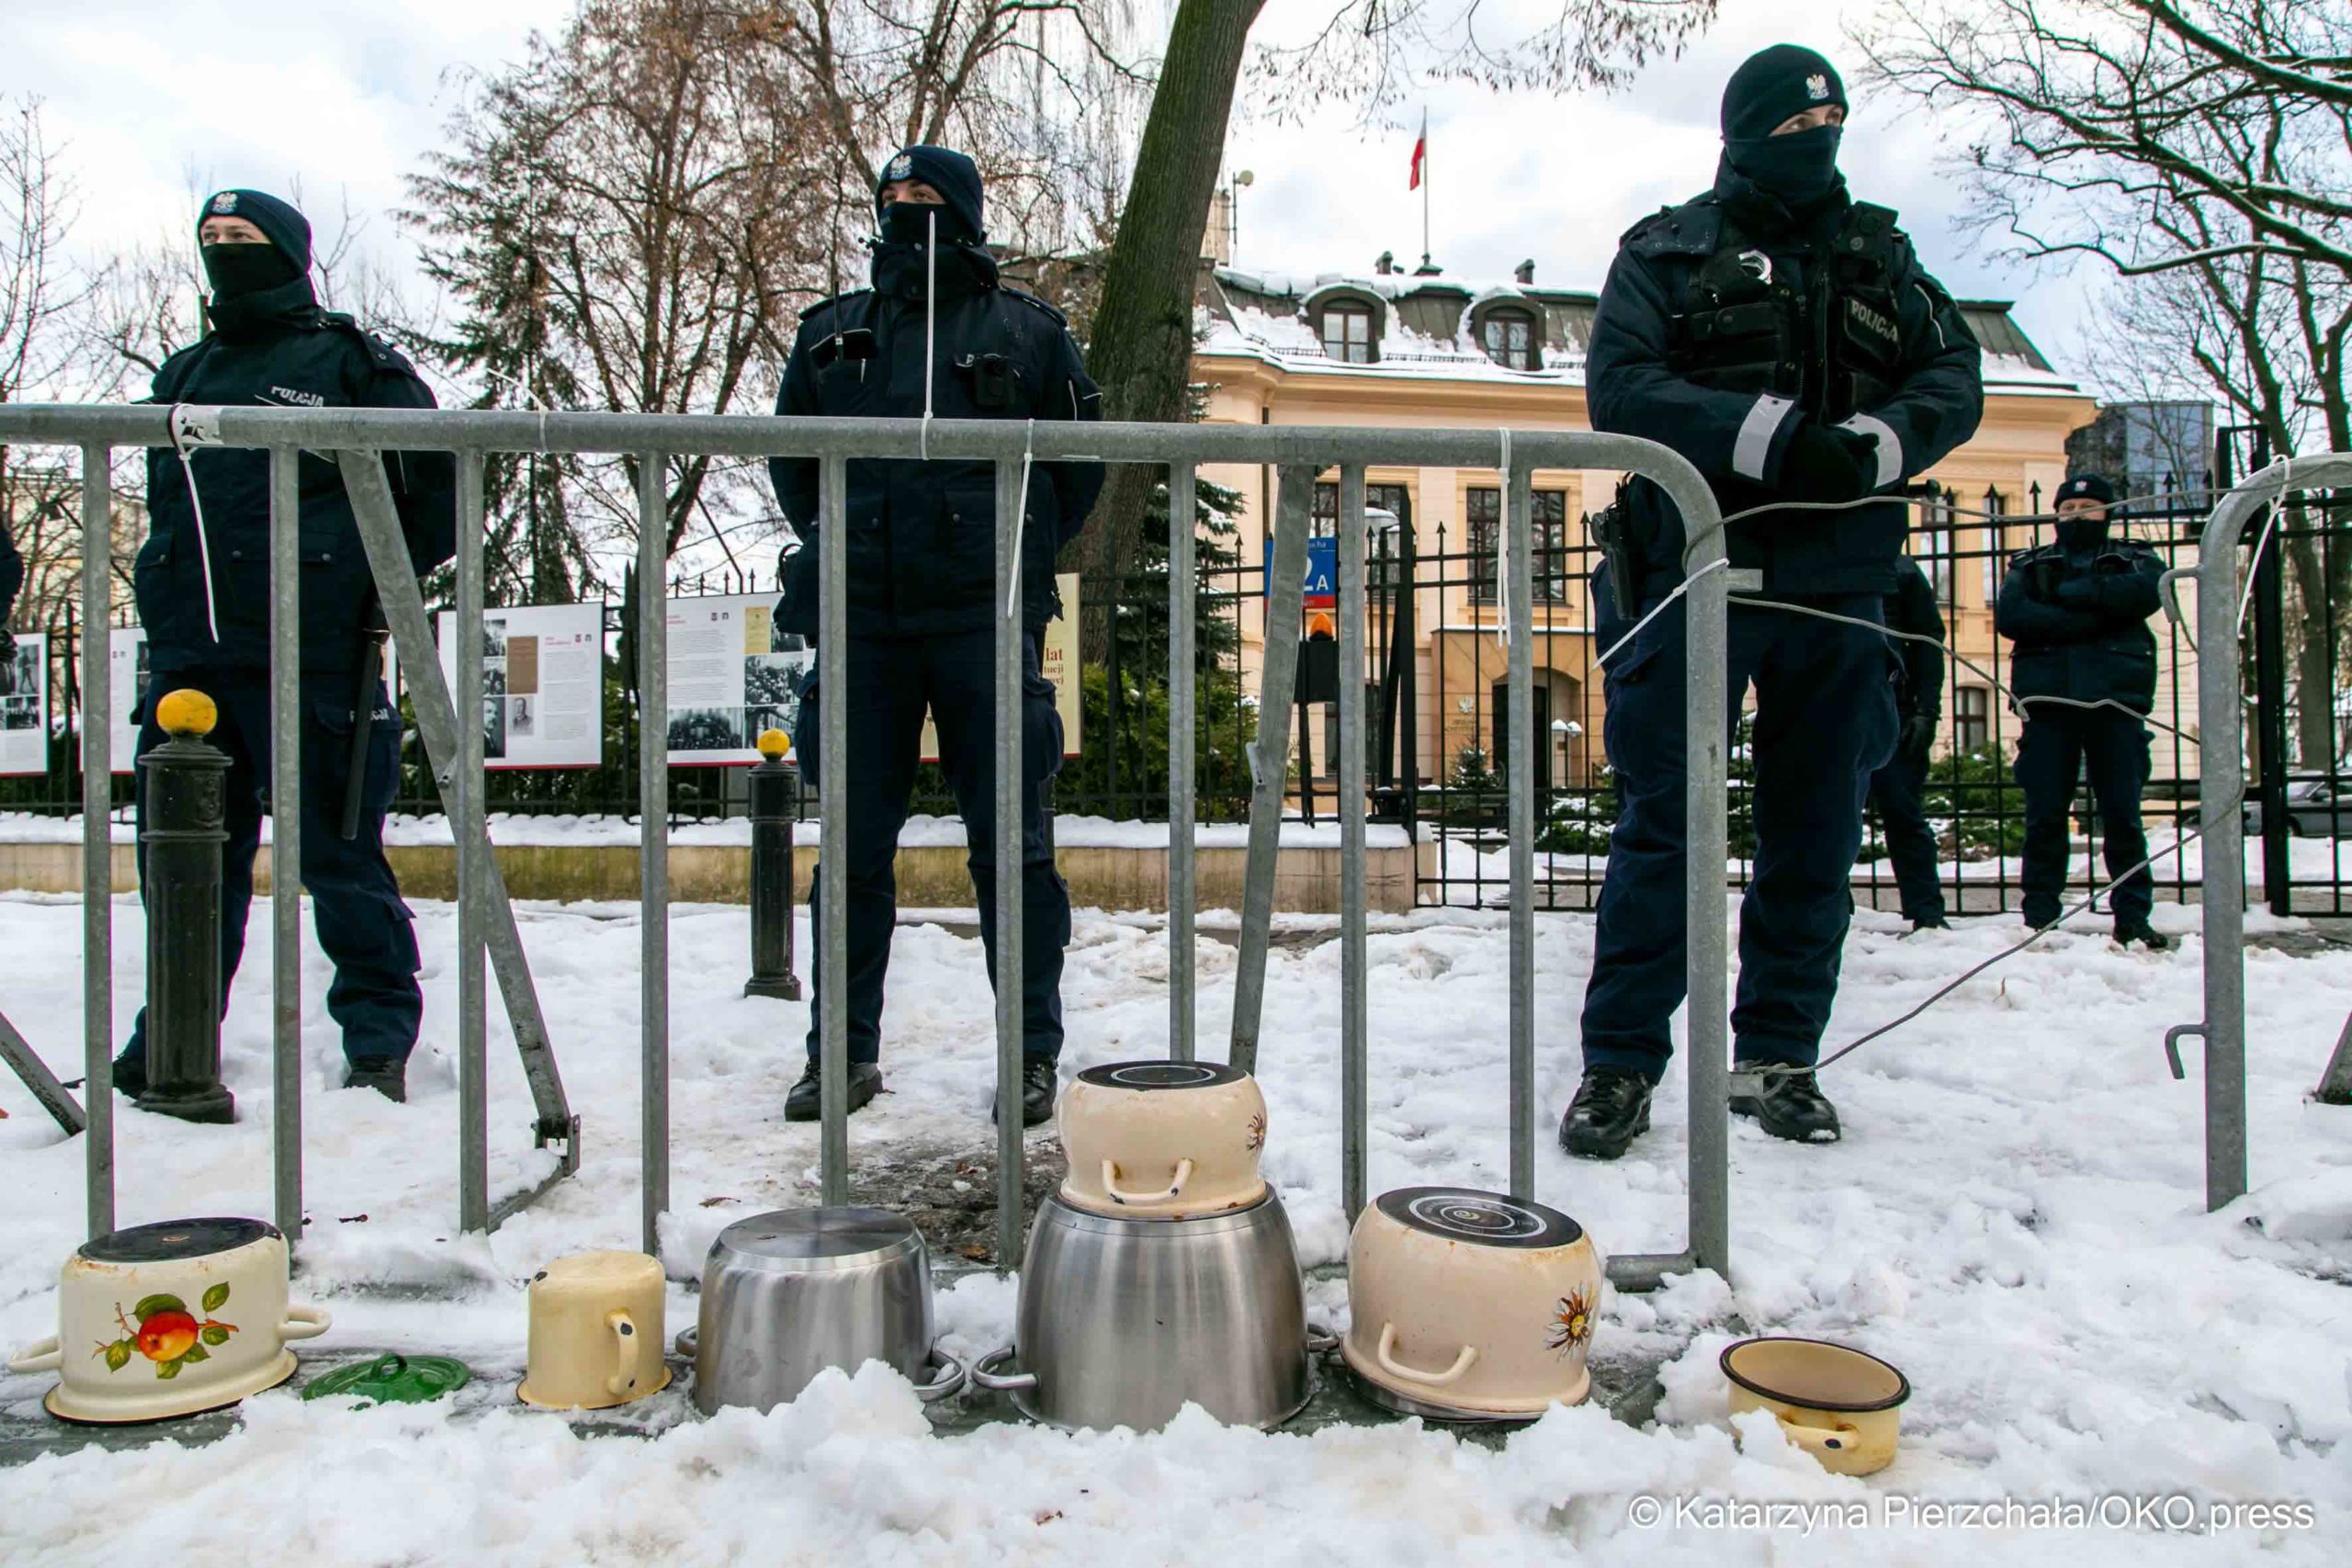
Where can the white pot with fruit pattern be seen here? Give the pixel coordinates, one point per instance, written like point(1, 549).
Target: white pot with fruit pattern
point(167, 1320)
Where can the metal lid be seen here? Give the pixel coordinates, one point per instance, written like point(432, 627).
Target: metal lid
point(392, 1380)
point(1484, 1219)
point(816, 1239)
point(172, 1239)
point(1162, 1075)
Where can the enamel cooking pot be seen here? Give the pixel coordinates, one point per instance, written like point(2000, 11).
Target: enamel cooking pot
point(1123, 1321)
point(1470, 1306)
point(787, 1294)
point(1839, 1404)
point(171, 1319)
point(1162, 1139)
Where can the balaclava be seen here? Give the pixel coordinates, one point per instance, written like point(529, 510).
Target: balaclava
point(957, 180)
point(237, 270)
point(2081, 533)
point(1773, 84)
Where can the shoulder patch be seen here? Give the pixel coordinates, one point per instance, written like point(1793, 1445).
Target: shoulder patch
point(1029, 299)
point(379, 351)
point(832, 299)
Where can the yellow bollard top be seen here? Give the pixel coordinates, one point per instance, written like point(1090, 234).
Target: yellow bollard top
point(774, 744)
point(184, 713)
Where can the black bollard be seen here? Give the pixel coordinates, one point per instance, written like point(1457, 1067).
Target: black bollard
point(185, 826)
point(775, 806)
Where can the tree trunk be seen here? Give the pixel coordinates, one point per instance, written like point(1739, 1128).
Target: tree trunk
point(1141, 347)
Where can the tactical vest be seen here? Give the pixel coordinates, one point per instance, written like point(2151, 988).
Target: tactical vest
point(1834, 345)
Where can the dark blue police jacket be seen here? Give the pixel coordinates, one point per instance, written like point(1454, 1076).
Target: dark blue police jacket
point(922, 536)
point(278, 348)
point(2079, 619)
point(1737, 438)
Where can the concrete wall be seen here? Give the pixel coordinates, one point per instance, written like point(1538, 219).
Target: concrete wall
point(1306, 880)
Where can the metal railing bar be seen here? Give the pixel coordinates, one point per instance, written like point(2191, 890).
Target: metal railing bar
point(1519, 725)
point(832, 801)
point(1182, 760)
point(1270, 757)
point(1354, 1013)
point(285, 831)
point(1011, 774)
point(98, 844)
point(468, 786)
point(653, 841)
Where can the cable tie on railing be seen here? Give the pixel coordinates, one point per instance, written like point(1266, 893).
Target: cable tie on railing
point(190, 430)
point(1502, 545)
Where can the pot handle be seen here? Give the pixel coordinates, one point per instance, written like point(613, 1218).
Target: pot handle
point(41, 1356)
point(1009, 1383)
point(630, 1344)
point(1388, 1363)
point(1822, 1442)
point(688, 1342)
point(304, 1322)
point(1175, 1184)
point(1320, 1341)
point(947, 1384)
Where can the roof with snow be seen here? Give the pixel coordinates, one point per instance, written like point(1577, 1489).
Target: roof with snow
point(1427, 325)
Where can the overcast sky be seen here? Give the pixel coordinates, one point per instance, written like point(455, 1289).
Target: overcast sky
point(148, 99)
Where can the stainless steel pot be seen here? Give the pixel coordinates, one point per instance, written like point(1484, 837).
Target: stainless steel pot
point(787, 1294)
point(1123, 1321)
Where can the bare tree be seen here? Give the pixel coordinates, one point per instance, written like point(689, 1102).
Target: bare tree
point(2202, 152)
point(1140, 347)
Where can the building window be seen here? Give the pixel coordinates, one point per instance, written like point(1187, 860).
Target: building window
point(1549, 527)
point(1972, 717)
point(1936, 545)
point(1996, 542)
point(1347, 331)
point(1511, 340)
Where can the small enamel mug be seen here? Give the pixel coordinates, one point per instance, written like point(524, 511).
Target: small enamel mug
point(596, 1332)
point(1841, 1405)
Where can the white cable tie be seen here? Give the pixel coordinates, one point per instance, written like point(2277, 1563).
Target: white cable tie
point(1021, 521)
point(1718, 564)
point(187, 429)
point(1502, 545)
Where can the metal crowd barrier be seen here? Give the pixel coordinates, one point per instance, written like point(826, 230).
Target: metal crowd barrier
point(486, 923)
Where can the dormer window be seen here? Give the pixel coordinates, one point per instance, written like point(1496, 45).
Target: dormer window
point(1510, 339)
point(1347, 331)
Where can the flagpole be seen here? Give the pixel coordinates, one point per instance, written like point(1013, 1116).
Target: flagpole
point(1425, 187)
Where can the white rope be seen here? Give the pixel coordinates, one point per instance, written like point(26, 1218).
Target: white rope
point(2269, 526)
point(180, 434)
point(1502, 547)
point(1021, 521)
point(1681, 588)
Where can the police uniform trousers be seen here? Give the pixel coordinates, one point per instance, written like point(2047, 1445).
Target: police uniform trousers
point(1824, 723)
point(2058, 746)
point(891, 681)
point(363, 926)
point(1896, 790)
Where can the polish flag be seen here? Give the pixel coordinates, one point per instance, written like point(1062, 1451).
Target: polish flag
point(1420, 153)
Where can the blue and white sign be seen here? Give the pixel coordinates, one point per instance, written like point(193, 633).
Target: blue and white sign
point(1322, 572)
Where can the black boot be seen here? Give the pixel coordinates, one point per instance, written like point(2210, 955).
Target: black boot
point(1786, 1104)
point(1930, 923)
point(807, 1100)
point(2128, 932)
point(1610, 1109)
point(387, 1075)
point(1039, 1078)
point(130, 1075)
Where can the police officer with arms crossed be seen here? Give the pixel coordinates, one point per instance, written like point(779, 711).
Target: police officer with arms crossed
point(1783, 337)
point(203, 590)
point(2083, 670)
point(937, 325)
point(1894, 791)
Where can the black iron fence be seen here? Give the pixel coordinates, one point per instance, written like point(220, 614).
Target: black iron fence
point(1437, 742)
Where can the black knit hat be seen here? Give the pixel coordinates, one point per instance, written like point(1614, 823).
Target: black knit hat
point(2087, 487)
point(954, 176)
point(1772, 85)
point(286, 227)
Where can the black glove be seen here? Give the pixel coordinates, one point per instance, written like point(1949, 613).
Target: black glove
point(1824, 463)
point(1916, 739)
point(2042, 578)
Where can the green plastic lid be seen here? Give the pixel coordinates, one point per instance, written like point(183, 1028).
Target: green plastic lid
point(392, 1380)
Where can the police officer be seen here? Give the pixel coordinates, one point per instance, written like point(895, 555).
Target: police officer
point(12, 578)
point(939, 332)
point(2084, 671)
point(1918, 704)
point(202, 582)
point(1785, 338)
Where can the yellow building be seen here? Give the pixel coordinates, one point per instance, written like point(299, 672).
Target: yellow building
point(1417, 351)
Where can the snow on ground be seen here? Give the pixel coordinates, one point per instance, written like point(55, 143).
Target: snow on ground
point(2014, 1219)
